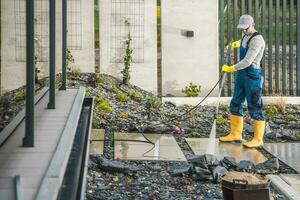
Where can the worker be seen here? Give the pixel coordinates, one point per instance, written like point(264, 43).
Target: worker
point(248, 84)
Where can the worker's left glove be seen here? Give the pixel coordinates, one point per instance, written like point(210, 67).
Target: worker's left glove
point(230, 69)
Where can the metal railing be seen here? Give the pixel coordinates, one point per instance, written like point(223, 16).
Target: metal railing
point(278, 21)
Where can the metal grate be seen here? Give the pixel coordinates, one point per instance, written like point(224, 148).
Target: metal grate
point(74, 25)
point(133, 12)
point(41, 30)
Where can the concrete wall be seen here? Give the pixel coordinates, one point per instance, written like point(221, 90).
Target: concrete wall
point(189, 59)
point(143, 74)
point(13, 72)
point(85, 56)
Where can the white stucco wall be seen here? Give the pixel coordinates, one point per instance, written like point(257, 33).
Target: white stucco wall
point(85, 57)
point(13, 73)
point(189, 59)
point(143, 74)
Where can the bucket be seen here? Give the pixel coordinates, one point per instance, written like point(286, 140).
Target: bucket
point(245, 186)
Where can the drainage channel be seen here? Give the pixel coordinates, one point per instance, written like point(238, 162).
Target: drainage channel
point(74, 182)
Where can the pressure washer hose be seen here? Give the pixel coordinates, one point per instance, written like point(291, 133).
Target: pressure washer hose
point(221, 79)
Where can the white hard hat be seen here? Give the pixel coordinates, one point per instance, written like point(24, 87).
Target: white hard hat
point(245, 21)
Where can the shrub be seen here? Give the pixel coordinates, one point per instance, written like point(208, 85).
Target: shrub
point(220, 120)
point(92, 80)
point(153, 102)
point(271, 111)
point(290, 117)
point(223, 107)
point(281, 105)
point(4, 101)
point(192, 90)
point(123, 115)
point(195, 134)
point(20, 95)
point(121, 97)
point(103, 105)
point(76, 72)
point(136, 96)
point(114, 89)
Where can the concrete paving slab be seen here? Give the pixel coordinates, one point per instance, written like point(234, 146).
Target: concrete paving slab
point(97, 134)
point(199, 146)
point(96, 146)
point(293, 180)
point(166, 147)
point(289, 153)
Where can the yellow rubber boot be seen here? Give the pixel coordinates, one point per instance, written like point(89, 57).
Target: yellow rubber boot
point(236, 129)
point(259, 131)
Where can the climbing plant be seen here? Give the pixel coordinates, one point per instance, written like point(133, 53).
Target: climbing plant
point(128, 56)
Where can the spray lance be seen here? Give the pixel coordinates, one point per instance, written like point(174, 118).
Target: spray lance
point(212, 136)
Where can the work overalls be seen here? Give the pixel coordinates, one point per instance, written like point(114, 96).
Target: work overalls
point(248, 85)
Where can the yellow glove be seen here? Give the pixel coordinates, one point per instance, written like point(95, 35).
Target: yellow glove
point(230, 69)
point(235, 44)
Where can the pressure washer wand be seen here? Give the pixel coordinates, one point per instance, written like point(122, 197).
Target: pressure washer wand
point(212, 136)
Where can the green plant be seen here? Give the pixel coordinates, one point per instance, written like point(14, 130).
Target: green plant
point(192, 90)
point(297, 136)
point(290, 117)
point(136, 96)
point(36, 69)
point(121, 97)
point(20, 95)
point(220, 120)
point(76, 72)
point(103, 105)
point(4, 101)
point(223, 107)
point(195, 134)
point(92, 79)
point(114, 89)
point(123, 115)
point(128, 56)
point(69, 60)
point(271, 111)
point(152, 102)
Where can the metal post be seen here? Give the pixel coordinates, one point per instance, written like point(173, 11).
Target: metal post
point(284, 47)
point(263, 28)
point(28, 140)
point(51, 104)
point(277, 55)
point(298, 51)
point(250, 7)
point(222, 35)
point(229, 40)
point(291, 49)
point(64, 45)
point(270, 46)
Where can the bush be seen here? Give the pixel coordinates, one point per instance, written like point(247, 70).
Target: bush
point(76, 72)
point(114, 89)
point(153, 102)
point(195, 134)
point(223, 107)
point(103, 105)
point(20, 95)
point(92, 80)
point(290, 117)
point(4, 101)
point(123, 115)
point(192, 90)
point(220, 120)
point(271, 112)
point(136, 96)
point(121, 97)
